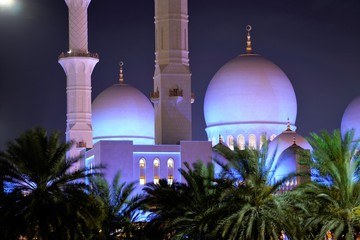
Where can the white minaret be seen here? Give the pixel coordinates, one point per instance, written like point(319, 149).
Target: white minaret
point(78, 64)
point(172, 96)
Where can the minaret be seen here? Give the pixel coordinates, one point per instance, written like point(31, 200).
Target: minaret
point(78, 64)
point(172, 95)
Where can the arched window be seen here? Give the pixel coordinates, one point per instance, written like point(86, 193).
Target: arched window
point(272, 137)
point(262, 140)
point(241, 142)
point(252, 141)
point(170, 166)
point(142, 168)
point(230, 142)
point(221, 139)
point(156, 170)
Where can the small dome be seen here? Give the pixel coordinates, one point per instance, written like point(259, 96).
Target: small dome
point(249, 95)
point(351, 118)
point(284, 140)
point(289, 162)
point(121, 112)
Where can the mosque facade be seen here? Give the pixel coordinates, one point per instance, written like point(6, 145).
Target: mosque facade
point(150, 138)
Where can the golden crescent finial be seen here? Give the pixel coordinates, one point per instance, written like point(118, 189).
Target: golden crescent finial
point(248, 28)
point(121, 75)
point(248, 42)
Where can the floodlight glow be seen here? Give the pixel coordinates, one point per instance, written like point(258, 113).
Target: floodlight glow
point(6, 2)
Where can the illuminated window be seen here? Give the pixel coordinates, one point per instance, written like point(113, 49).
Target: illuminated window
point(252, 141)
point(170, 163)
point(156, 163)
point(230, 142)
point(142, 166)
point(142, 163)
point(142, 180)
point(241, 142)
point(156, 170)
point(156, 180)
point(170, 179)
point(272, 137)
point(170, 166)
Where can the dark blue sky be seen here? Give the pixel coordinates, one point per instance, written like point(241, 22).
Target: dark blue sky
point(316, 43)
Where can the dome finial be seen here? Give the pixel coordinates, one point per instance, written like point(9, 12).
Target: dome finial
point(248, 42)
point(294, 140)
point(288, 125)
point(121, 75)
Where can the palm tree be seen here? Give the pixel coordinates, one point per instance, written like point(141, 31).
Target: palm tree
point(252, 208)
point(119, 205)
point(201, 199)
point(334, 194)
point(185, 210)
point(43, 199)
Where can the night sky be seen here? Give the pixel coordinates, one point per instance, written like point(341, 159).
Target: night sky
point(316, 43)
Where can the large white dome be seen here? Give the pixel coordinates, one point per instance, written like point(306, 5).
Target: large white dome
point(121, 112)
point(351, 118)
point(249, 95)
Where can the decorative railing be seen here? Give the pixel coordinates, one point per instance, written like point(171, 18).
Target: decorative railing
point(81, 144)
point(155, 94)
point(175, 92)
point(287, 186)
point(77, 54)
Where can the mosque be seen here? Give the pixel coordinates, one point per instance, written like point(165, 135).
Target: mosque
point(150, 138)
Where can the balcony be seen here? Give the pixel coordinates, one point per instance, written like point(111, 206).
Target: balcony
point(176, 95)
point(77, 54)
point(155, 96)
point(81, 144)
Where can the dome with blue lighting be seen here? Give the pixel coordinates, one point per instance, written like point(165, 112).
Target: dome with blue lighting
point(249, 94)
point(285, 140)
point(121, 112)
point(248, 98)
point(351, 118)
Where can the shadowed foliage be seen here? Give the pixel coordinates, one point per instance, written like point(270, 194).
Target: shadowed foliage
point(42, 198)
point(330, 201)
point(119, 208)
point(238, 203)
point(252, 208)
point(185, 210)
